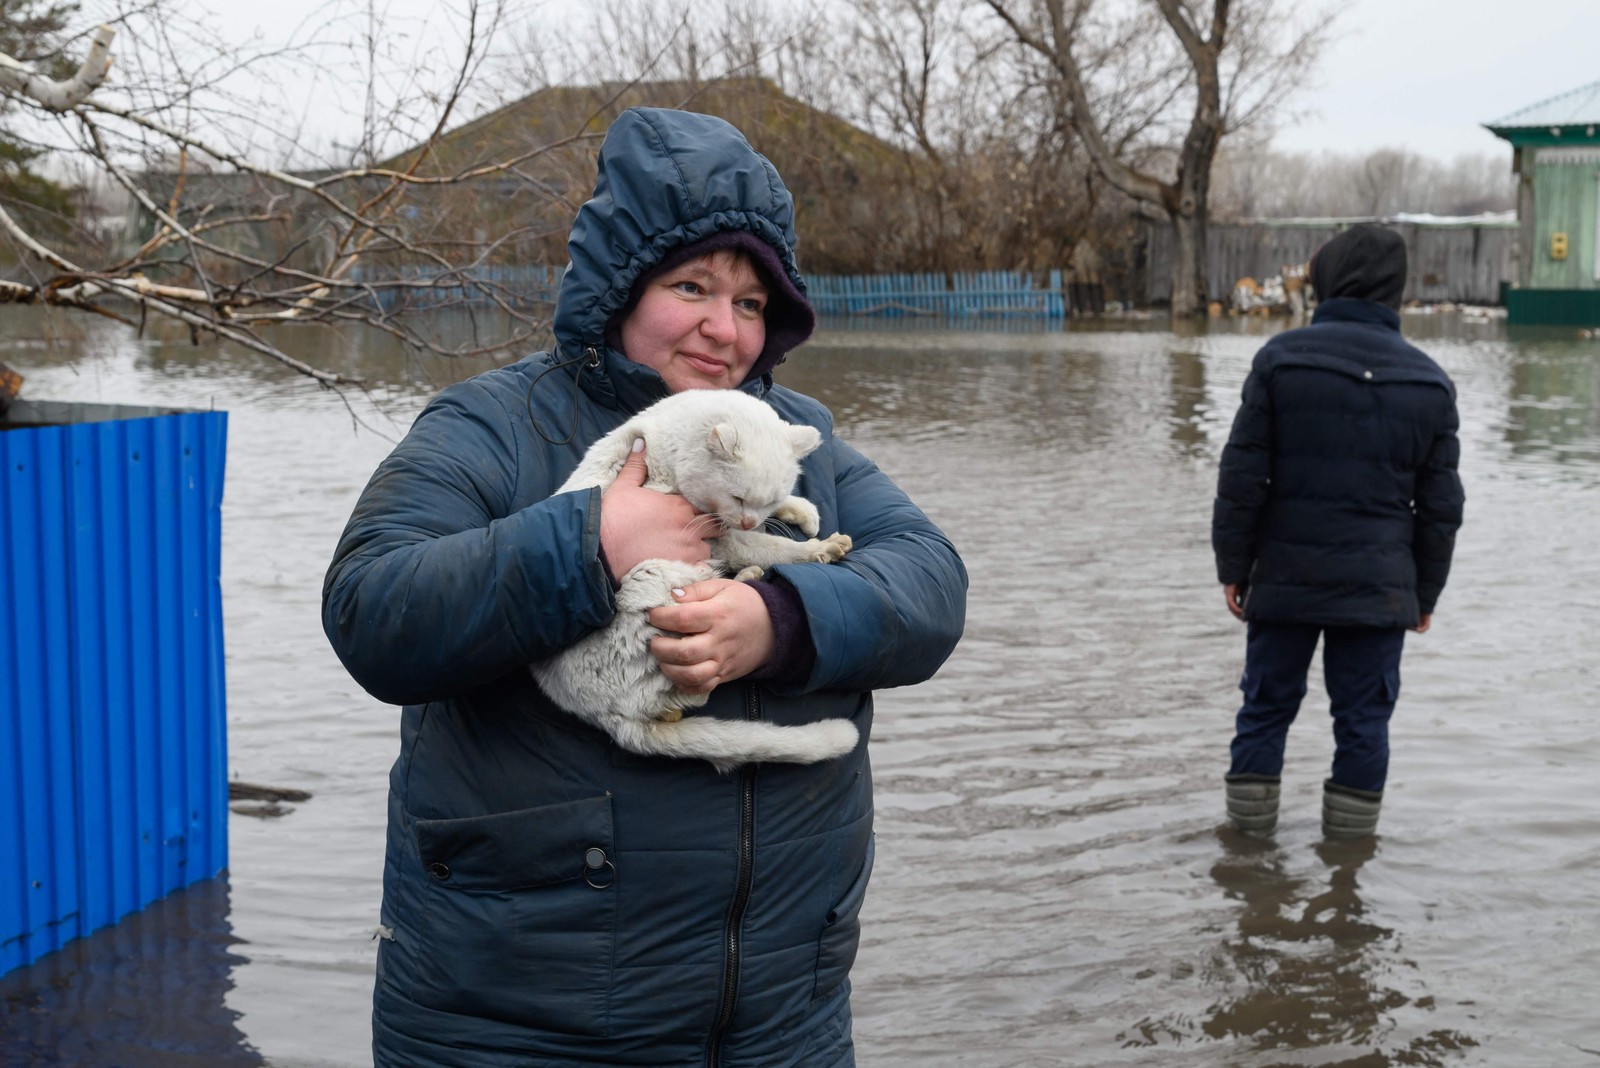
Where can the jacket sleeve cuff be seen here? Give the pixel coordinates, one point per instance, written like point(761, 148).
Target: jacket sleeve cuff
point(605, 565)
point(793, 655)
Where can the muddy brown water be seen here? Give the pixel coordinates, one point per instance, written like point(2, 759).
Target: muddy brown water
point(1052, 887)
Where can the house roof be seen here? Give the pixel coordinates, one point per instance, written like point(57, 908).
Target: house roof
point(579, 115)
point(1576, 107)
point(846, 182)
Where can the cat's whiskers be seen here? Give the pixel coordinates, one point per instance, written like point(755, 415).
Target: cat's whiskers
point(706, 525)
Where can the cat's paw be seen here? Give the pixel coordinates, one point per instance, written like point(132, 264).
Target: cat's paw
point(749, 574)
point(676, 703)
point(800, 513)
point(833, 547)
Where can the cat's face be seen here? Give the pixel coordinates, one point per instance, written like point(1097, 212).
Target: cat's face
point(745, 474)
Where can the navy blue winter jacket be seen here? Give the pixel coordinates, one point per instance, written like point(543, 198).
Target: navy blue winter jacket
point(1338, 499)
point(554, 899)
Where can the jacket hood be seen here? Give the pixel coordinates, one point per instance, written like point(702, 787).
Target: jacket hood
point(1365, 262)
point(667, 179)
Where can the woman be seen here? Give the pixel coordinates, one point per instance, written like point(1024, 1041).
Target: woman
point(550, 898)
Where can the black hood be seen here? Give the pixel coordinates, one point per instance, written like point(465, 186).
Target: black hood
point(1365, 262)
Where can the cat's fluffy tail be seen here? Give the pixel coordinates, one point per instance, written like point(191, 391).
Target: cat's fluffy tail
point(727, 743)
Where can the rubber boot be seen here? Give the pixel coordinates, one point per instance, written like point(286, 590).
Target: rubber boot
point(1253, 804)
point(1348, 812)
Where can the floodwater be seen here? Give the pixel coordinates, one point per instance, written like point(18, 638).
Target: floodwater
point(1052, 887)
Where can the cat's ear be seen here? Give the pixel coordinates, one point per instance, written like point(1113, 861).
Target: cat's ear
point(804, 439)
point(724, 441)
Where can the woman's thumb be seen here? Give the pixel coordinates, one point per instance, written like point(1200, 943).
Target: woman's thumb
point(694, 591)
point(634, 471)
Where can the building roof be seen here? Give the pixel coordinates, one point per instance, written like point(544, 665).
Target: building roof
point(1576, 107)
point(843, 178)
point(579, 116)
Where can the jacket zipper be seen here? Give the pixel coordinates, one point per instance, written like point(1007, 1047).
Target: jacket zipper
point(741, 891)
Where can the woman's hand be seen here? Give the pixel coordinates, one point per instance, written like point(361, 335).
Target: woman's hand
point(643, 524)
point(724, 633)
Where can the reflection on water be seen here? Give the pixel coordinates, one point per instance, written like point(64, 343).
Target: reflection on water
point(1189, 410)
point(1309, 968)
point(1052, 888)
point(1555, 402)
point(149, 992)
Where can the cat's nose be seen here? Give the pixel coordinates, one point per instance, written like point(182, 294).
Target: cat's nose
point(748, 522)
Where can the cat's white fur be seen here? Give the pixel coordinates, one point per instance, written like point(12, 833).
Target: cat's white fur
point(733, 458)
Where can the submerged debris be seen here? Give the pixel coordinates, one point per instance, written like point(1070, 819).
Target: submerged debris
point(264, 810)
point(249, 791)
point(263, 802)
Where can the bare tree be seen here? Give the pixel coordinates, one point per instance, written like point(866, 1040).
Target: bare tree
point(227, 243)
point(1120, 79)
point(921, 75)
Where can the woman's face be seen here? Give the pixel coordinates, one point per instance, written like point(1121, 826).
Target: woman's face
point(700, 325)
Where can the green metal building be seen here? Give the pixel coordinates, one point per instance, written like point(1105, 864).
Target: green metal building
point(1555, 274)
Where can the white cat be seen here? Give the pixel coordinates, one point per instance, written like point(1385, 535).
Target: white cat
point(734, 459)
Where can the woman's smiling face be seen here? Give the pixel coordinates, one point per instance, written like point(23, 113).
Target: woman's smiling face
point(700, 325)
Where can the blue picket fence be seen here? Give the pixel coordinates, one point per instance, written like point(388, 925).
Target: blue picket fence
point(941, 295)
point(938, 295)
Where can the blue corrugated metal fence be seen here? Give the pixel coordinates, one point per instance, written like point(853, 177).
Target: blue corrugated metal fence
point(113, 781)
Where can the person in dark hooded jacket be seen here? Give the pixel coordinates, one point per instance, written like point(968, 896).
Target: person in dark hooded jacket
point(550, 898)
point(1335, 518)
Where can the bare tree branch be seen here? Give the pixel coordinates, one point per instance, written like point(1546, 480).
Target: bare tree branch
point(52, 95)
point(228, 241)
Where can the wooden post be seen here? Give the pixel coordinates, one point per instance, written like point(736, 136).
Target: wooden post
point(1523, 160)
point(10, 387)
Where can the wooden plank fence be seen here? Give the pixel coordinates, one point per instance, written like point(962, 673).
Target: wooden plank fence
point(1447, 261)
point(940, 295)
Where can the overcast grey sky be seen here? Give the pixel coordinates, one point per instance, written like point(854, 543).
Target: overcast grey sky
point(1421, 74)
point(1426, 74)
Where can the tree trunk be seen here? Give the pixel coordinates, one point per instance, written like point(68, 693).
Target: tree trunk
point(1188, 205)
point(1188, 268)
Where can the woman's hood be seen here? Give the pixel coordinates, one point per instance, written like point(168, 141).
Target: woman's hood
point(666, 179)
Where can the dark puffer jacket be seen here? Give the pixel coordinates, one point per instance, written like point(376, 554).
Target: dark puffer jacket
point(554, 899)
point(1338, 499)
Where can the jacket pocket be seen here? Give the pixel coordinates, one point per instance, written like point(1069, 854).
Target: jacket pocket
point(519, 920)
point(841, 932)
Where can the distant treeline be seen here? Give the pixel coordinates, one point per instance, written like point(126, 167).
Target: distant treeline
point(1275, 185)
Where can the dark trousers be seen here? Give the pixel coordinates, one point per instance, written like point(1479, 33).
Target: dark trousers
point(1361, 666)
